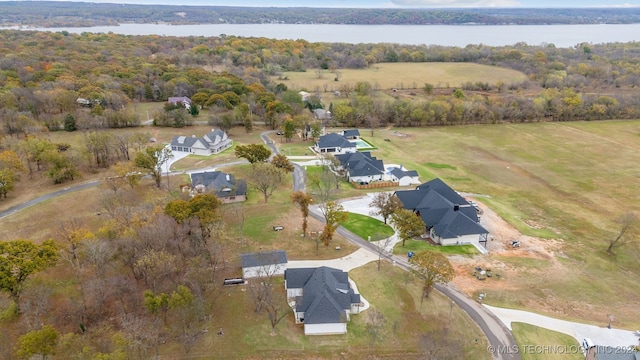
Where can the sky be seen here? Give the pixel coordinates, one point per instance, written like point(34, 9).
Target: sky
point(391, 3)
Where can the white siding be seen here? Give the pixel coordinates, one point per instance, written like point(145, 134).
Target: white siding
point(258, 271)
point(325, 329)
point(467, 239)
point(292, 293)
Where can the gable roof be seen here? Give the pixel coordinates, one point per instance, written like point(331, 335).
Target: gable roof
point(178, 100)
point(326, 293)
point(222, 184)
point(184, 141)
point(213, 137)
point(351, 133)
point(264, 258)
point(361, 164)
point(442, 208)
point(399, 173)
point(334, 140)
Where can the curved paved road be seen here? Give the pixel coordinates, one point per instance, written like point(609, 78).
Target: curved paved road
point(14, 209)
point(496, 332)
point(498, 335)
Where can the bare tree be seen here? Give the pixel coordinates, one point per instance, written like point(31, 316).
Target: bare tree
point(326, 184)
point(385, 204)
point(276, 306)
point(382, 246)
point(441, 344)
point(266, 178)
point(261, 286)
point(375, 323)
point(628, 228)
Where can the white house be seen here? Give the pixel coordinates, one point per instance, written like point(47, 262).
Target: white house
point(212, 143)
point(263, 264)
point(401, 176)
point(334, 143)
point(323, 299)
point(361, 167)
point(182, 100)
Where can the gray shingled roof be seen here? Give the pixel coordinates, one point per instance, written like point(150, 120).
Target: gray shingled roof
point(442, 208)
point(615, 353)
point(263, 258)
point(222, 184)
point(399, 173)
point(326, 293)
point(361, 164)
point(351, 133)
point(185, 141)
point(334, 140)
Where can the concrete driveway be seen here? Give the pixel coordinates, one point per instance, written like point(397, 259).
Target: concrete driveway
point(599, 335)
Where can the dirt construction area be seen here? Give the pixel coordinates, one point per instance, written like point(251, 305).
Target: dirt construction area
point(508, 277)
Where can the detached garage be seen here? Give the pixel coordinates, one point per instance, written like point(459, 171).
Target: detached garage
point(263, 264)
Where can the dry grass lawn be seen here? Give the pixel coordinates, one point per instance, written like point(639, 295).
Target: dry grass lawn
point(400, 76)
point(560, 184)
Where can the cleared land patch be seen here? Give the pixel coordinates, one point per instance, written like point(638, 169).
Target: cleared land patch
point(402, 76)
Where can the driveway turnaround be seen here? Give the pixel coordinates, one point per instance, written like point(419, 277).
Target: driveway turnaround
point(602, 336)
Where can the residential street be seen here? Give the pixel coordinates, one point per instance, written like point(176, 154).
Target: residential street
point(494, 322)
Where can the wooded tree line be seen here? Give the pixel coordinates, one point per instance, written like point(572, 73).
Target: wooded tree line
point(61, 81)
point(42, 76)
point(51, 14)
point(147, 276)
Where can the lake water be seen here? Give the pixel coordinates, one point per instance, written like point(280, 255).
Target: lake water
point(445, 35)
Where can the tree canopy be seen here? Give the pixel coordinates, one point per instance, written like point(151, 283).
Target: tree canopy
point(20, 260)
point(254, 153)
point(432, 268)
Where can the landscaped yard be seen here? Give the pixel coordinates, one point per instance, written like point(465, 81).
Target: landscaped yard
point(366, 226)
point(424, 245)
point(536, 343)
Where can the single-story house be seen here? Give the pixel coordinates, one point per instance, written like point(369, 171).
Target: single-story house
point(351, 134)
point(334, 143)
point(304, 96)
point(225, 186)
point(403, 177)
point(361, 167)
point(323, 298)
point(449, 218)
point(263, 264)
point(322, 114)
point(180, 100)
point(212, 143)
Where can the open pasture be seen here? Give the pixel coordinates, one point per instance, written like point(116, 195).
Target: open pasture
point(562, 183)
point(387, 76)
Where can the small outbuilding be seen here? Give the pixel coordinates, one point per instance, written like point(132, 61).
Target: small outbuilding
point(263, 264)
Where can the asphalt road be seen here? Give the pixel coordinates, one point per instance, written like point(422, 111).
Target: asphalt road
point(14, 209)
point(501, 341)
point(499, 337)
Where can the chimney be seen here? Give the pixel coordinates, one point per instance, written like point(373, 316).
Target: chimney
point(456, 207)
point(228, 178)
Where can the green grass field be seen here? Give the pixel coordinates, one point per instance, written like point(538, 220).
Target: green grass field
point(536, 343)
point(365, 226)
point(422, 245)
point(563, 182)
